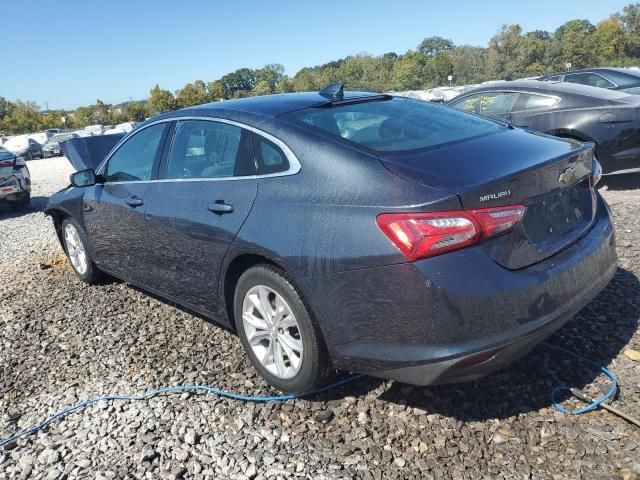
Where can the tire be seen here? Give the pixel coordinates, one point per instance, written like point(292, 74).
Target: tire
point(309, 368)
point(85, 269)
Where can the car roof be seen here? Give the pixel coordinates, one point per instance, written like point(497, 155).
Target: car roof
point(272, 105)
point(550, 88)
point(627, 71)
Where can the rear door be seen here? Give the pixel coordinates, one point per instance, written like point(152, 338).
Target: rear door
point(195, 212)
point(114, 210)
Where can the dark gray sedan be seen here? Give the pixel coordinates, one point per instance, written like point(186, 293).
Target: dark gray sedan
point(610, 119)
point(351, 231)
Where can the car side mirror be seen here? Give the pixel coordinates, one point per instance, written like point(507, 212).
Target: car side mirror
point(83, 178)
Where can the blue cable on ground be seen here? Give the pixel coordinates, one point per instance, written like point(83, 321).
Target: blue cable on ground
point(566, 388)
point(282, 398)
point(163, 391)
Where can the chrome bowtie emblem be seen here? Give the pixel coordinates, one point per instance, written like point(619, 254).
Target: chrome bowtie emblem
point(567, 175)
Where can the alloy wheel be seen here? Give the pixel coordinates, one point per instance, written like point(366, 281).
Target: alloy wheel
point(75, 249)
point(272, 331)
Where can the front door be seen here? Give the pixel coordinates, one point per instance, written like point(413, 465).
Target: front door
point(114, 209)
point(195, 212)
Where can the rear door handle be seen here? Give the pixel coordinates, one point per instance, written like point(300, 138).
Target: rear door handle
point(134, 202)
point(219, 207)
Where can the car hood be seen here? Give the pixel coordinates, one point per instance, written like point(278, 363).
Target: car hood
point(89, 152)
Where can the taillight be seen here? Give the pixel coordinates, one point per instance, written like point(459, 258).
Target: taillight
point(8, 163)
point(596, 172)
point(421, 235)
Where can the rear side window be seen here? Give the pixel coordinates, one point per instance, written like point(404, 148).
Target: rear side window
point(269, 157)
point(204, 149)
point(134, 159)
point(488, 103)
point(590, 79)
point(530, 101)
point(394, 125)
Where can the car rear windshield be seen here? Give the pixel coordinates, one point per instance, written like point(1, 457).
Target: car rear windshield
point(394, 125)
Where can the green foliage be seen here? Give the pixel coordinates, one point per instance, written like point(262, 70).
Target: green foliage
point(161, 101)
point(135, 112)
point(511, 53)
point(432, 46)
point(192, 94)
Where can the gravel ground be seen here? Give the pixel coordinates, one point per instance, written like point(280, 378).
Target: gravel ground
point(62, 341)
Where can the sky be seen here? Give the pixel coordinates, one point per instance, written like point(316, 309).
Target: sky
point(70, 53)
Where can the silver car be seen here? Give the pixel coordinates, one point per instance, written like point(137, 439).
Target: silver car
point(15, 181)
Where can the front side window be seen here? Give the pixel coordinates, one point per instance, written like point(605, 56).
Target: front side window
point(590, 79)
point(134, 159)
point(393, 125)
point(489, 103)
point(530, 101)
point(204, 149)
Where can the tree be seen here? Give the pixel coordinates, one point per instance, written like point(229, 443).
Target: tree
point(242, 80)
point(432, 46)
point(469, 65)
point(5, 107)
point(577, 43)
point(630, 19)
point(270, 76)
point(161, 101)
point(505, 48)
point(135, 112)
point(609, 40)
point(439, 68)
point(303, 81)
point(285, 85)
point(192, 94)
point(409, 71)
point(101, 113)
point(82, 116)
point(215, 91)
point(25, 117)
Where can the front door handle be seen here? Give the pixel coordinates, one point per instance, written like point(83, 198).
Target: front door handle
point(134, 202)
point(219, 207)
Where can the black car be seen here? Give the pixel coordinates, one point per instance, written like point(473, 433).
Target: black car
point(609, 119)
point(623, 79)
point(361, 232)
point(52, 147)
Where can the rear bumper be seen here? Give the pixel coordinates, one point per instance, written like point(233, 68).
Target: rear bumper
point(12, 188)
point(457, 316)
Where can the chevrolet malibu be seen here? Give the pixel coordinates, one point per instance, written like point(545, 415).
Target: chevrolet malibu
point(350, 231)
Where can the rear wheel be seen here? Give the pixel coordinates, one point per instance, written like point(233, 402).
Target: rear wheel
point(276, 330)
point(75, 247)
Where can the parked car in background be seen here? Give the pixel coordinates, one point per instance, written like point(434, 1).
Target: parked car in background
point(53, 131)
point(125, 127)
point(40, 137)
point(15, 181)
point(624, 79)
point(52, 147)
point(24, 147)
point(608, 118)
point(358, 231)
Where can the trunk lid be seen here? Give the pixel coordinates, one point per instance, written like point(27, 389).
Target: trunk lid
point(549, 176)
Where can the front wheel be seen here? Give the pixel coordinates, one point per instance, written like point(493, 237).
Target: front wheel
point(276, 330)
point(75, 247)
